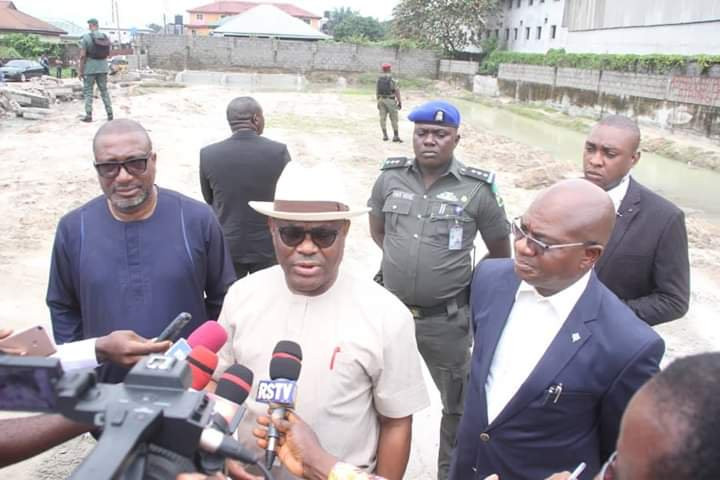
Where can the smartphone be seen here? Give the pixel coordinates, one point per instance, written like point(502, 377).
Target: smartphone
point(172, 331)
point(34, 341)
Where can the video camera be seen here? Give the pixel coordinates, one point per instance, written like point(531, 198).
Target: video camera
point(151, 415)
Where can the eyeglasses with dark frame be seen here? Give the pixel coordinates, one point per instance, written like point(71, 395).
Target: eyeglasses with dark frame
point(608, 469)
point(538, 245)
point(293, 235)
point(134, 166)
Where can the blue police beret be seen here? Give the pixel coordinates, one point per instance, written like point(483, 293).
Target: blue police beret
point(437, 111)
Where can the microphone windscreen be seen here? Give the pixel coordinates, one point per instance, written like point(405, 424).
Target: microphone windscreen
point(210, 334)
point(235, 383)
point(286, 361)
point(202, 364)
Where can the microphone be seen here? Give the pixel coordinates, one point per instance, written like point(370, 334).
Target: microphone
point(280, 392)
point(202, 364)
point(172, 331)
point(210, 334)
point(232, 390)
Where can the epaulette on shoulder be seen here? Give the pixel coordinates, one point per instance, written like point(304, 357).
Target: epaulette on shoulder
point(396, 162)
point(484, 175)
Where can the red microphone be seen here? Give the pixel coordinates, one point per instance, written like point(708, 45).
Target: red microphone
point(210, 334)
point(202, 363)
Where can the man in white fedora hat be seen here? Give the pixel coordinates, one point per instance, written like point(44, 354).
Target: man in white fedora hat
point(361, 379)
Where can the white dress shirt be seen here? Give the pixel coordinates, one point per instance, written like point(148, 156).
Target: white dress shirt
point(77, 355)
point(618, 192)
point(533, 323)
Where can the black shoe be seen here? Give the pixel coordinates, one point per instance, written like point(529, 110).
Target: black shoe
point(385, 137)
point(110, 116)
point(396, 139)
point(86, 119)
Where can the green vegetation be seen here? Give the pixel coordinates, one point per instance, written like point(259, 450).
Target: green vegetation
point(347, 25)
point(657, 64)
point(29, 46)
point(8, 53)
point(452, 25)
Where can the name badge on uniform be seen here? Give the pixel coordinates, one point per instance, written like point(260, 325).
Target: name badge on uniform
point(455, 238)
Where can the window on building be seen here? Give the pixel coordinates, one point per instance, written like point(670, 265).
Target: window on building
point(539, 33)
point(497, 33)
point(507, 34)
point(515, 33)
point(518, 4)
point(553, 31)
point(193, 32)
point(510, 2)
point(199, 16)
point(530, 2)
point(527, 33)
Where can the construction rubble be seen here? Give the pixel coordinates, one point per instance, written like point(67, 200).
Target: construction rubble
point(34, 100)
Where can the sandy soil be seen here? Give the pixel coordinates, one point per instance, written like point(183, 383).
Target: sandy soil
point(46, 171)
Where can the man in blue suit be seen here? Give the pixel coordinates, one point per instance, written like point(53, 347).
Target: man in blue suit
point(557, 356)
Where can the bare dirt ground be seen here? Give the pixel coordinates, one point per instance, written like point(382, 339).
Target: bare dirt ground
point(47, 170)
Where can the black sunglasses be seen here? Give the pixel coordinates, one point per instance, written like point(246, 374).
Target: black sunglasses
point(135, 166)
point(292, 236)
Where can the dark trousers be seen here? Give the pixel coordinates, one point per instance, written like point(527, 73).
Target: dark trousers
point(243, 269)
point(444, 342)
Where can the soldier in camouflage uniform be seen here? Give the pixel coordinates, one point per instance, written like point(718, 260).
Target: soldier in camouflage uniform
point(388, 102)
point(93, 70)
point(425, 215)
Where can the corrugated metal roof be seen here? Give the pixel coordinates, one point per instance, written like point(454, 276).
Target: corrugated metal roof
point(13, 20)
point(268, 21)
point(235, 8)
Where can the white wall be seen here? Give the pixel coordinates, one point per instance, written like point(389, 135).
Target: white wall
point(544, 14)
point(684, 39)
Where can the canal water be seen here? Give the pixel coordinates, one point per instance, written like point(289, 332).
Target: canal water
point(690, 188)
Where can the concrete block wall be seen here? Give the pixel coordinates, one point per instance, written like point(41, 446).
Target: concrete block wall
point(578, 78)
point(458, 66)
point(528, 73)
point(634, 84)
point(226, 53)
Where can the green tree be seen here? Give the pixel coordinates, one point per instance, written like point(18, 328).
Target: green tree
point(29, 46)
point(450, 24)
point(154, 27)
point(346, 24)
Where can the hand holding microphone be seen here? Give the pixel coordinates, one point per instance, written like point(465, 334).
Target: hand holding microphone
point(299, 448)
point(280, 392)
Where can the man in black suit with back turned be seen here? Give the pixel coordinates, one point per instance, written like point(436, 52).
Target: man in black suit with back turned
point(646, 260)
point(233, 172)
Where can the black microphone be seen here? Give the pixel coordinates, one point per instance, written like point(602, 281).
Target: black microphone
point(281, 390)
point(231, 392)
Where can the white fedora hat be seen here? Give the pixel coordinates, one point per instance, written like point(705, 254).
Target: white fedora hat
point(309, 194)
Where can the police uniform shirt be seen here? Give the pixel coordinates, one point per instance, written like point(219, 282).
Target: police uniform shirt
point(429, 233)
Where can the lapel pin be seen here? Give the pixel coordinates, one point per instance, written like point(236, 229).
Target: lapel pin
point(575, 337)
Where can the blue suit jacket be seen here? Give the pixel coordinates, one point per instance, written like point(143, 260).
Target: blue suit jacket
point(534, 436)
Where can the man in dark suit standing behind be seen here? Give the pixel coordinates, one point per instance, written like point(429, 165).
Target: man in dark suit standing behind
point(646, 261)
point(557, 356)
point(235, 171)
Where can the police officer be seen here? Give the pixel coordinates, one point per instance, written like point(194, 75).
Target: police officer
point(388, 102)
point(425, 215)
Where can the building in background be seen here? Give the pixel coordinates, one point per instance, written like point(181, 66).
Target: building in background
point(203, 20)
point(124, 36)
point(683, 27)
point(13, 20)
point(267, 21)
point(533, 26)
point(74, 31)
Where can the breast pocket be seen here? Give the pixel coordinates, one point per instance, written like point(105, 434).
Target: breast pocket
point(348, 384)
point(443, 217)
point(395, 209)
